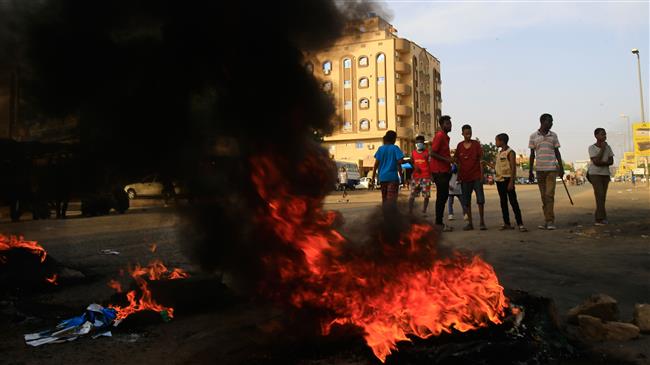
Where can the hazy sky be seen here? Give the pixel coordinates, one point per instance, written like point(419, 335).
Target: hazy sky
point(505, 63)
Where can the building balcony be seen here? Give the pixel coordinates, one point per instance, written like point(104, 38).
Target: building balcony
point(402, 67)
point(404, 132)
point(402, 89)
point(404, 110)
point(402, 45)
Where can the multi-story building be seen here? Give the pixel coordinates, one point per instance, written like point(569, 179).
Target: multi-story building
point(379, 82)
point(19, 121)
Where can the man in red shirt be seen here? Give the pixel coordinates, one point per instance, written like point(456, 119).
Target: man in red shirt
point(469, 156)
point(440, 167)
point(421, 178)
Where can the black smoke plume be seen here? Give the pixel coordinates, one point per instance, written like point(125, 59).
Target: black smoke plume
point(193, 90)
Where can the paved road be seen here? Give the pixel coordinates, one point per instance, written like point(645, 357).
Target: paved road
point(567, 265)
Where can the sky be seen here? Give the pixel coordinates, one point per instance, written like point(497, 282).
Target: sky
point(504, 63)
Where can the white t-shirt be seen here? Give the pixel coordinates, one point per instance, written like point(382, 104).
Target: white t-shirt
point(343, 177)
point(599, 170)
point(454, 185)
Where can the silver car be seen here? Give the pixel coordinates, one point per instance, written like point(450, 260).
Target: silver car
point(148, 187)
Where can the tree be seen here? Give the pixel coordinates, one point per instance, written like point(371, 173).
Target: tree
point(489, 154)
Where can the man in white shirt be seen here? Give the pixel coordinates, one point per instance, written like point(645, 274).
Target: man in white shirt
point(602, 157)
point(545, 146)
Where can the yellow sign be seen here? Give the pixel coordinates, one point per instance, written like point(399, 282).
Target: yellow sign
point(641, 137)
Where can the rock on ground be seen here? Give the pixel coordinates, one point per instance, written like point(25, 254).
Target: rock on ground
point(599, 305)
point(593, 329)
point(642, 317)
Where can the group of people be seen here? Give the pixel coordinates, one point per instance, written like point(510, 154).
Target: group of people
point(461, 175)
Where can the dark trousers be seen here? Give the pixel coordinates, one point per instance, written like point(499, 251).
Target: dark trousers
point(441, 179)
point(600, 184)
point(504, 196)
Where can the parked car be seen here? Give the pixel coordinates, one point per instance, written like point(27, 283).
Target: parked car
point(150, 186)
point(364, 183)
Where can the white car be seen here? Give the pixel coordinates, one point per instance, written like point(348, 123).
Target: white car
point(364, 183)
point(149, 186)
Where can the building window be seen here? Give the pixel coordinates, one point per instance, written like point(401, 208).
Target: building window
point(364, 103)
point(327, 86)
point(381, 79)
point(347, 126)
point(327, 67)
point(381, 101)
point(363, 83)
point(359, 145)
point(309, 67)
point(347, 63)
point(381, 124)
point(380, 58)
point(363, 61)
point(364, 124)
point(347, 84)
point(348, 104)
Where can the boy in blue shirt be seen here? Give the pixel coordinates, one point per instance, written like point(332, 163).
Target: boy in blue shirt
point(388, 160)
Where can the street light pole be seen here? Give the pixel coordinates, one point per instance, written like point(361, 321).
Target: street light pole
point(638, 62)
point(638, 59)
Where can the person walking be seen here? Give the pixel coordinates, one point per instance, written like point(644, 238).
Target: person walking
point(506, 173)
point(388, 161)
point(343, 184)
point(440, 166)
point(469, 155)
point(455, 192)
point(545, 148)
point(421, 176)
point(602, 157)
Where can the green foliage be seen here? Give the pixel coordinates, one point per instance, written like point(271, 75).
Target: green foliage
point(568, 167)
point(489, 154)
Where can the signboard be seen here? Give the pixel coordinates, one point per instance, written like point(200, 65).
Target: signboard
point(641, 138)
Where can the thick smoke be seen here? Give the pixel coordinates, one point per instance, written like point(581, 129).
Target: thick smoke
point(193, 90)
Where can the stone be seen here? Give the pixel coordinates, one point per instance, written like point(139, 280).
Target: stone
point(593, 329)
point(619, 331)
point(599, 305)
point(642, 317)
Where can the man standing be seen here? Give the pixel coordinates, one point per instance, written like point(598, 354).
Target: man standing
point(440, 166)
point(469, 155)
point(421, 177)
point(545, 146)
point(602, 157)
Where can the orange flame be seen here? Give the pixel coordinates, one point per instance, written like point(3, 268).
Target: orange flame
point(52, 280)
point(7, 243)
point(421, 295)
point(156, 270)
point(115, 285)
point(178, 274)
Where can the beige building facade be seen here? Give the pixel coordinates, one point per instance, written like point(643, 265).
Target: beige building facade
point(379, 82)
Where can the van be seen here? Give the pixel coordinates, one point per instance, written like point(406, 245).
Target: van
point(354, 176)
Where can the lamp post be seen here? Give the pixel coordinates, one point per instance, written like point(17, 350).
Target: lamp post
point(638, 60)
